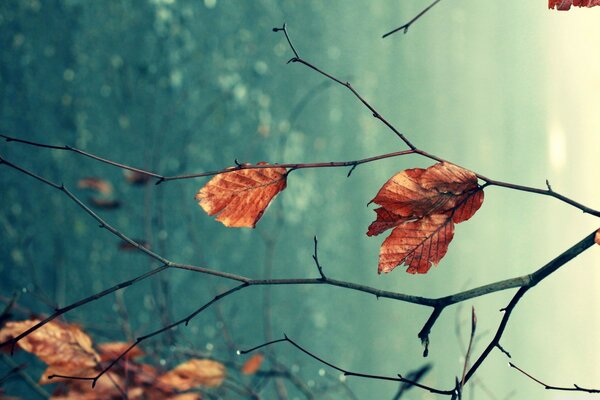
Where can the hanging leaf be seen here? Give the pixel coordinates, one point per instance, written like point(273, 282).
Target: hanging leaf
point(597, 237)
point(192, 373)
point(422, 206)
point(252, 364)
point(240, 197)
point(564, 5)
point(417, 244)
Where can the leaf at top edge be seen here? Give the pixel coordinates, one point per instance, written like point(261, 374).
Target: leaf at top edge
point(240, 197)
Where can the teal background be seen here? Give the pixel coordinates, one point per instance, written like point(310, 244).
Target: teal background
point(507, 89)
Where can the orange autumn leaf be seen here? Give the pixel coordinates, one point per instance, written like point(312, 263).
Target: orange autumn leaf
point(192, 373)
point(564, 5)
point(417, 244)
point(597, 237)
point(240, 197)
point(112, 350)
point(252, 364)
point(97, 184)
point(65, 348)
point(422, 206)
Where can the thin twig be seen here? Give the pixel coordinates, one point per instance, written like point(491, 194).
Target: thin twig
point(575, 388)
point(398, 378)
point(26, 377)
point(409, 23)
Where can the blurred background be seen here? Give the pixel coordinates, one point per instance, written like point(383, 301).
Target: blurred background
point(508, 89)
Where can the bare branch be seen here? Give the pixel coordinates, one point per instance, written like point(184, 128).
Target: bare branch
point(398, 378)
point(409, 23)
point(575, 388)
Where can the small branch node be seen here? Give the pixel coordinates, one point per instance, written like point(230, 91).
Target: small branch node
point(503, 350)
point(548, 186)
point(159, 181)
point(238, 164)
point(315, 257)
point(352, 169)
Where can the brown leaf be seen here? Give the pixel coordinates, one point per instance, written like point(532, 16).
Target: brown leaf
point(65, 348)
point(252, 364)
point(418, 192)
point(597, 237)
point(136, 178)
point(241, 196)
point(564, 5)
point(417, 244)
point(107, 204)
point(192, 373)
point(467, 206)
point(422, 205)
point(385, 220)
point(126, 246)
point(445, 177)
point(112, 350)
point(97, 184)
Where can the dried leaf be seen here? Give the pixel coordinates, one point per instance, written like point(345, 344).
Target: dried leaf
point(422, 205)
point(564, 5)
point(597, 237)
point(241, 196)
point(192, 373)
point(107, 204)
point(252, 364)
point(97, 184)
point(417, 244)
point(385, 220)
point(65, 348)
point(112, 350)
point(418, 192)
point(136, 178)
point(448, 178)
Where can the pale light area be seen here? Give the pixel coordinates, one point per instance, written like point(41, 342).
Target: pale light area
point(573, 144)
point(557, 146)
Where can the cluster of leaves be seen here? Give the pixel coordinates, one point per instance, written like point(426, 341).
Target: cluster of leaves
point(420, 205)
point(69, 351)
point(565, 5)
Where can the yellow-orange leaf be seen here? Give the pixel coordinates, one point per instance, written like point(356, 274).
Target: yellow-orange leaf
point(252, 364)
point(192, 373)
point(112, 350)
point(65, 348)
point(97, 184)
point(417, 244)
point(241, 196)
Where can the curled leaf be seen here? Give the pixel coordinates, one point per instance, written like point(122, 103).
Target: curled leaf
point(192, 373)
point(240, 197)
